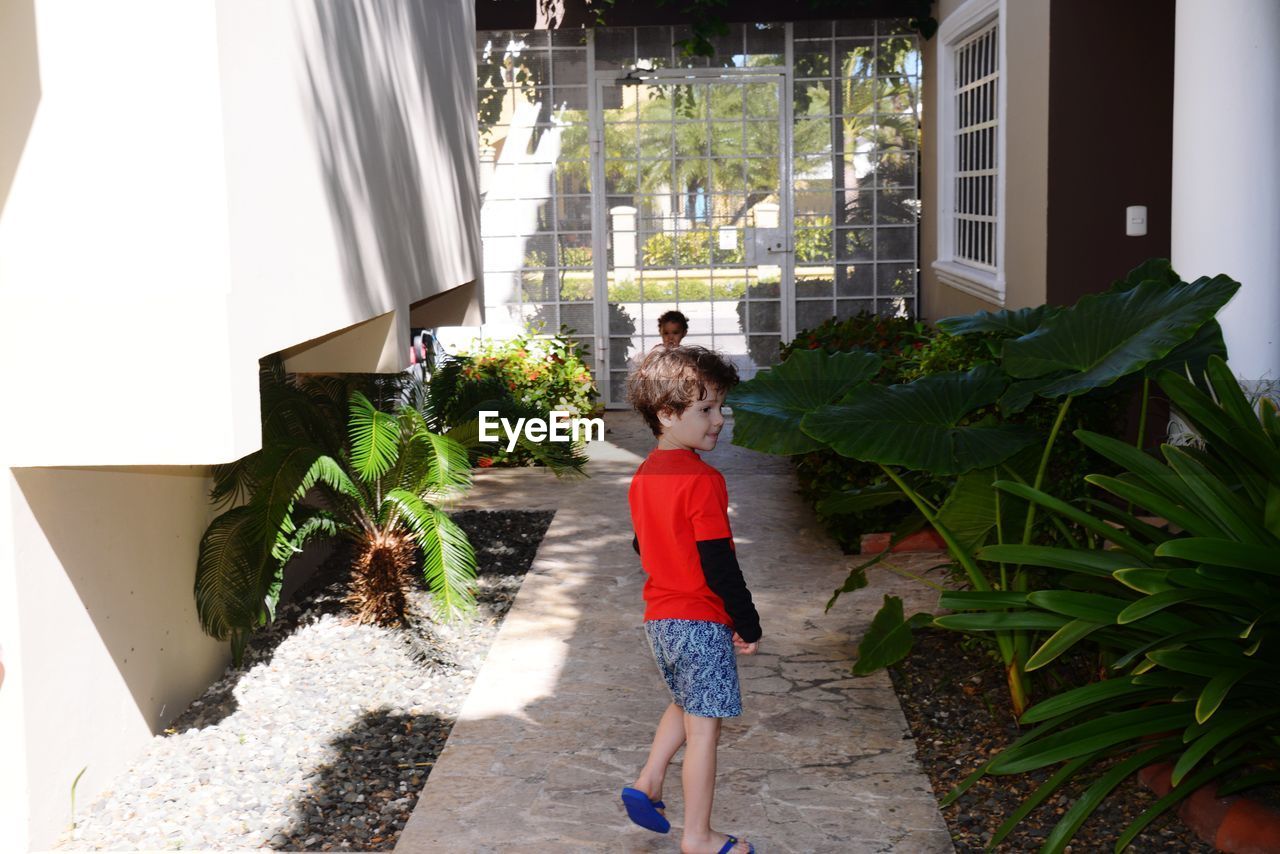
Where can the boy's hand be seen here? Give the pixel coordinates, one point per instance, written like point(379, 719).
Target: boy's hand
point(742, 647)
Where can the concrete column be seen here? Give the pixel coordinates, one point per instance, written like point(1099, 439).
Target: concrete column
point(624, 242)
point(766, 214)
point(1226, 179)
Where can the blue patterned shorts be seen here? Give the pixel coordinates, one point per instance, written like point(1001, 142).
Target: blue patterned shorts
point(698, 664)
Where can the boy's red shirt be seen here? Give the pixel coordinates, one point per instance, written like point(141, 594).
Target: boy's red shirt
point(676, 500)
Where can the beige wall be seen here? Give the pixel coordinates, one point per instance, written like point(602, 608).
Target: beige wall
point(1026, 77)
point(110, 650)
point(20, 93)
point(185, 188)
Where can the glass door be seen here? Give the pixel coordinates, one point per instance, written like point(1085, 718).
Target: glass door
point(691, 208)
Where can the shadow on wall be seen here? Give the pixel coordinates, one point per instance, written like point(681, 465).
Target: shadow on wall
point(392, 99)
point(20, 95)
point(107, 564)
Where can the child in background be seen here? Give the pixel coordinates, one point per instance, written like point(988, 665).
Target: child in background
point(698, 610)
point(673, 326)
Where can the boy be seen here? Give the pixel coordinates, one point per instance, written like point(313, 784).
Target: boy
point(673, 326)
point(698, 610)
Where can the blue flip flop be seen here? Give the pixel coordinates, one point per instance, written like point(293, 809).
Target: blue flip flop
point(644, 812)
point(732, 841)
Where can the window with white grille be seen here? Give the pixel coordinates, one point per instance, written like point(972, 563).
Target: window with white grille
point(976, 93)
point(970, 151)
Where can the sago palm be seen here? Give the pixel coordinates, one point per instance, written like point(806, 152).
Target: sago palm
point(379, 491)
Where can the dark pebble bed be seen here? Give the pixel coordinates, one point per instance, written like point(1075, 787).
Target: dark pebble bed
point(954, 696)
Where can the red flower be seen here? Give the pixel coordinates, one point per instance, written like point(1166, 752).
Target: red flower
point(484, 462)
point(511, 385)
point(813, 346)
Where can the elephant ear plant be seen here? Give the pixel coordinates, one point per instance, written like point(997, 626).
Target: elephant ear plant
point(954, 426)
point(1186, 613)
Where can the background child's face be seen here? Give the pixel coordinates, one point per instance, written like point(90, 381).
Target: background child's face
point(695, 429)
point(672, 333)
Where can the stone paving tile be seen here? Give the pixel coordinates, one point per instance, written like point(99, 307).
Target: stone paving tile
point(563, 709)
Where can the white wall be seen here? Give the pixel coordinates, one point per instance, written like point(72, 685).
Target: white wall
point(185, 188)
point(207, 183)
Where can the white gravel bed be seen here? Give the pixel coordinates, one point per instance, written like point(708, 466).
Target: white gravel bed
point(324, 739)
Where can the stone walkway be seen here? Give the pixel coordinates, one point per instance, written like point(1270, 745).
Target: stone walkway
point(563, 709)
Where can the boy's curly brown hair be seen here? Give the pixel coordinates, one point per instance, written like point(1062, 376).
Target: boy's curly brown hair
point(674, 378)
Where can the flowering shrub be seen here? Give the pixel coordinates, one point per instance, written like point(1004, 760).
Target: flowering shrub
point(546, 373)
point(898, 340)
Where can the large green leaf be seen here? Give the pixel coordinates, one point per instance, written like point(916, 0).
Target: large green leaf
point(1218, 687)
point(1061, 641)
point(1086, 696)
point(859, 499)
point(1104, 337)
point(1062, 508)
point(1077, 605)
point(1219, 426)
point(999, 621)
point(1047, 788)
point(922, 425)
point(1090, 562)
point(968, 600)
point(1177, 793)
point(889, 638)
point(1096, 734)
point(1014, 323)
point(1149, 605)
point(1154, 503)
point(1212, 498)
point(1194, 354)
point(768, 408)
point(1159, 270)
point(1098, 790)
point(1220, 552)
point(970, 509)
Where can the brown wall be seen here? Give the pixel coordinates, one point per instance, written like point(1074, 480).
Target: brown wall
point(1110, 132)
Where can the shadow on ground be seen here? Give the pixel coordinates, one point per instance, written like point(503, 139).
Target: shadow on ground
point(364, 796)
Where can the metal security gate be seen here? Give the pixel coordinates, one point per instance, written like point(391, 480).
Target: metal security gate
point(691, 208)
point(761, 192)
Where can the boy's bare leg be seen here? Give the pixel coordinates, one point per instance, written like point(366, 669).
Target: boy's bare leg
point(666, 741)
point(699, 777)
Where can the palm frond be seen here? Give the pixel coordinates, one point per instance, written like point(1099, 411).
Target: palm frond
point(434, 464)
point(449, 467)
point(228, 574)
point(448, 561)
point(374, 436)
point(235, 483)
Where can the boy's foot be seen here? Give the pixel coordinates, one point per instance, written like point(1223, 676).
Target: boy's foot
point(716, 843)
point(645, 811)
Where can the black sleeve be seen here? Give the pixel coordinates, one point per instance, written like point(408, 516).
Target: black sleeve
point(724, 577)
point(635, 543)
